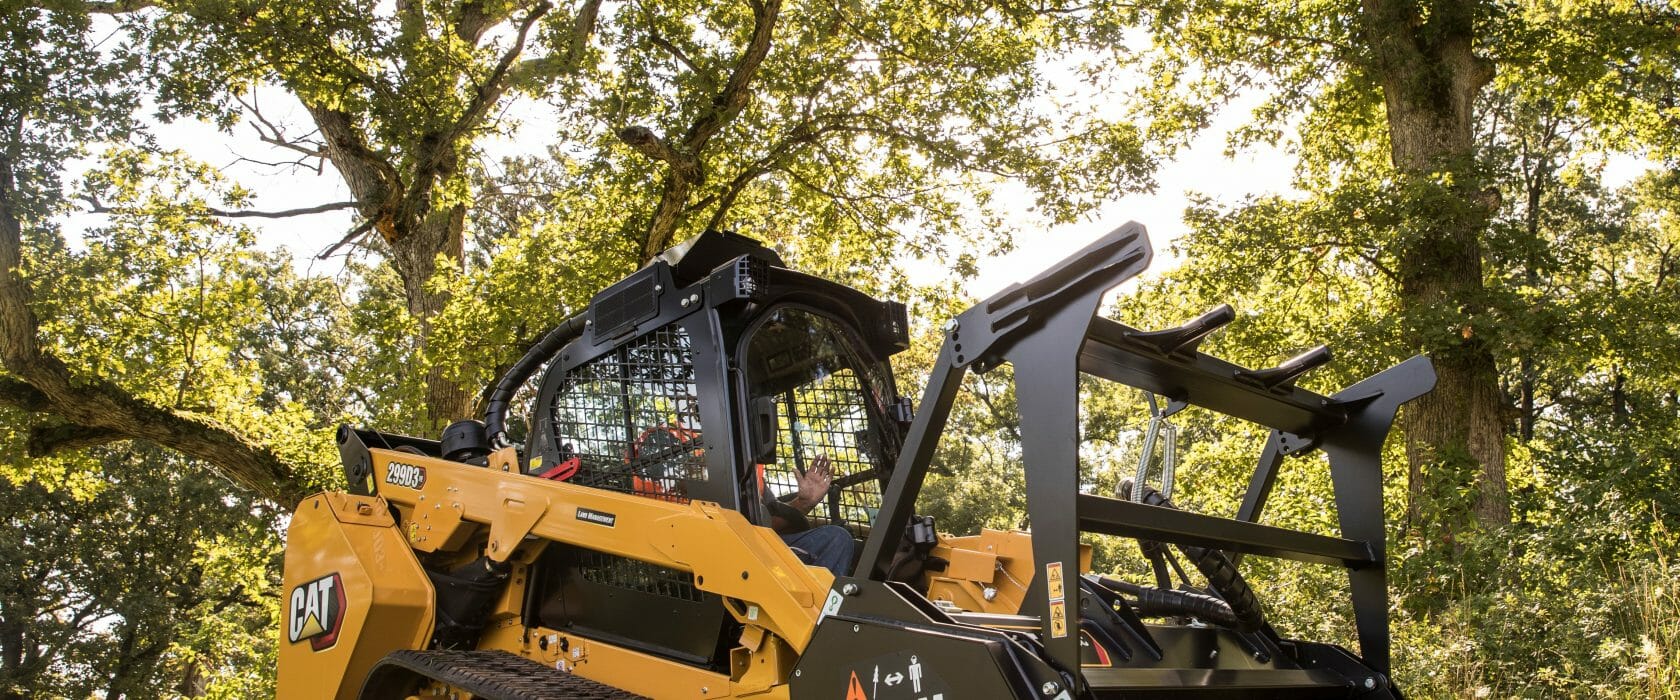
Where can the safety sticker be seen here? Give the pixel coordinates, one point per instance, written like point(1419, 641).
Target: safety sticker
point(1058, 618)
point(896, 675)
point(1058, 604)
point(854, 690)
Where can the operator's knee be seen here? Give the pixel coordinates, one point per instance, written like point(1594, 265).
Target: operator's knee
point(828, 546)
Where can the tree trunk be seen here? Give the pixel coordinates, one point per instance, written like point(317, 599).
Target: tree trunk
point(402, 209)
point(1430, 78)
point(415, 255)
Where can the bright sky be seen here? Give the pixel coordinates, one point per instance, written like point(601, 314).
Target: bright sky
point(1202, 168)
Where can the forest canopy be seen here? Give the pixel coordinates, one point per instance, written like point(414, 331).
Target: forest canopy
point(1494, 184)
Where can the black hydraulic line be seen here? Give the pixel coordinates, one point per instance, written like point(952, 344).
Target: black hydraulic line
point(1221, 574)
point(1156, 553)
point(1158, 602)
point(495, 408)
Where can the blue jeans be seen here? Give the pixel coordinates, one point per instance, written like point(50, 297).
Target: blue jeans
point(827, 546)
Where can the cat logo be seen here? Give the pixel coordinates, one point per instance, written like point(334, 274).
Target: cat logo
point(405, 475)
point(315, 611)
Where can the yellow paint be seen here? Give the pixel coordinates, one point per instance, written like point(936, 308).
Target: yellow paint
point(462, 511)
point(388, 599)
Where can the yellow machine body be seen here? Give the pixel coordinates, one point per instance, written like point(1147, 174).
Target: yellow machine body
point(459, 511)
point(354, 592)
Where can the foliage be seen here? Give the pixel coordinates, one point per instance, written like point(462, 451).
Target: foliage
point(854, 137)
point(134, 574)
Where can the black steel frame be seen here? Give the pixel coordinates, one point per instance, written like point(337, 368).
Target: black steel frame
point(1048, 330)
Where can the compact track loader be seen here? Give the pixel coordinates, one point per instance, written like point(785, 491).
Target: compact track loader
point(625, 548)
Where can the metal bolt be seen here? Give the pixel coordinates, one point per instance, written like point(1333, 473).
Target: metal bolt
point(797, 673)
point(1370, 683)
point(951, 325)
point(989, 593)
point(854, 628)
point(849, 589)
point(1213, 654)
point(1050, 687)
point(694, 298)
point(685, 303)
point(658, 288)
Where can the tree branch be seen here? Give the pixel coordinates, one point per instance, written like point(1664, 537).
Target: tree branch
point(97, 405)
point(735, 94)
point(276, 136)
point(47, 439)
point(486, 94)
point(300, 211)
point(648, 144)
point(348, 238)
point(118, 7)
point(94, 206)
point(685, 167)
point(583, 26)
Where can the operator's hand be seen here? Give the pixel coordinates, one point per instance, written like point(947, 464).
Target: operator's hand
point(813, 484)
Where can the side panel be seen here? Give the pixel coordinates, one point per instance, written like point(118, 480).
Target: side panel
point(353, 592)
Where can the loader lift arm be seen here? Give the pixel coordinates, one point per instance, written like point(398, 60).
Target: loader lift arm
point(1048, 330)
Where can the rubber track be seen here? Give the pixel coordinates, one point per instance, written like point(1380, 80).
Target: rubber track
point(498, 675)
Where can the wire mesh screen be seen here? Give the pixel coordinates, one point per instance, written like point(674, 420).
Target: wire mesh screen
point(829, 402)
point(828, 417)
point(630, 574)
point(629, 421)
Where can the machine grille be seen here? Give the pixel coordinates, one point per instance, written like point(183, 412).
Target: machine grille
point(630, 574)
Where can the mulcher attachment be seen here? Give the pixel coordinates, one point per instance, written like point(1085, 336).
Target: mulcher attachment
point(1048, 330)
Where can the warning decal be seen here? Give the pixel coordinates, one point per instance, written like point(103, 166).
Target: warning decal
point(902, 674)
point(1058, 619)
point(854, 690)
point(1058, 604)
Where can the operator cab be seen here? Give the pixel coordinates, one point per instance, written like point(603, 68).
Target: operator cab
point(713, 373)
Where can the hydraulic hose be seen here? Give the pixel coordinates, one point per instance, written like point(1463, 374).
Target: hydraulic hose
point(496, 407)
point(1158, 602)
point(1221, 574)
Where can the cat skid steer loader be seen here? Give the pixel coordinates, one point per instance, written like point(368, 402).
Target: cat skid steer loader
point(621, 546)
